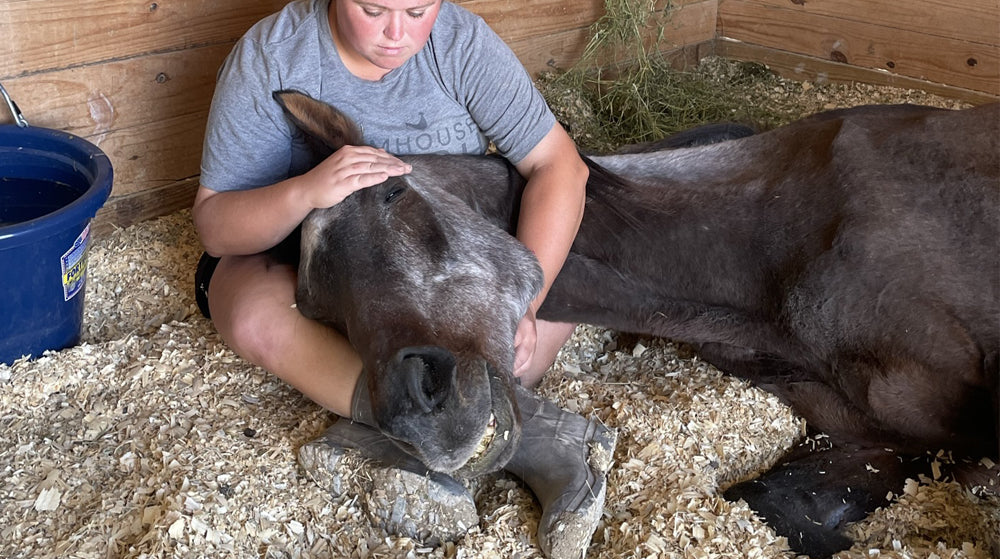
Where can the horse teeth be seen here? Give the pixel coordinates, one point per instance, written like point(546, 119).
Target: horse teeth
point(484, 442)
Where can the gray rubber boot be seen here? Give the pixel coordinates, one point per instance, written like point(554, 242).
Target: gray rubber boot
point(397, 491)
point(564, 458)
point(361, 402)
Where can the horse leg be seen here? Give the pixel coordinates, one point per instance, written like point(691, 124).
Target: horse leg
point(824, 408)
point(983, 476)
point(818, 487)
point(815, 492)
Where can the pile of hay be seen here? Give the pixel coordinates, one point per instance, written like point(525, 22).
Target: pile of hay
point(653, 100)
point(152, 439)
point(624, 91)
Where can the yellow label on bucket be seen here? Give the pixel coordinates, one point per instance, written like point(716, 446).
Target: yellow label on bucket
point(74, 265)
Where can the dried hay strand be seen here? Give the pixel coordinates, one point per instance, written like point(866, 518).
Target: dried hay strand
point(623, 90)
point(152, 439)
point(633, 90)
point(651, 101)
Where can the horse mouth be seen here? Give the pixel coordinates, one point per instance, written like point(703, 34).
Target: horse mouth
point(484, 443)
point(500, 435)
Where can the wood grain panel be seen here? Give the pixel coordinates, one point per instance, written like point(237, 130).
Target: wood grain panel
point(525, 19)
point(162, 152)
point(690, 24)
point(976, 21)
point(517, 21)
point(122, 211)
point(938, 59)
point(42, 35)
point(806, 68)
point(93, 100)
point(159, 152)
point(147, 113)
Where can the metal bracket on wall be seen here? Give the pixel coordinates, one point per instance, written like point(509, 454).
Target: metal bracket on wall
point(14, 110)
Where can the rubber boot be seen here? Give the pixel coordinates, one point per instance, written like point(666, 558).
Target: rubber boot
point(564, 458)
point(398, 492)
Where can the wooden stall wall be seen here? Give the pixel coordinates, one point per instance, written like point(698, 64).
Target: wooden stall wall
point(950, 47)
point(133, 77)
point(136, 77)
point(551, 34)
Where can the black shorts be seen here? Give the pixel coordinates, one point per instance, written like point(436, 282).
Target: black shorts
point(202, 277)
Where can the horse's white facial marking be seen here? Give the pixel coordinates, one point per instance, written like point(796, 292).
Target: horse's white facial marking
point(463, 285)
point(425, 258)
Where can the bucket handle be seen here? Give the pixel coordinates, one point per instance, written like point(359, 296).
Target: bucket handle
point(14, 110)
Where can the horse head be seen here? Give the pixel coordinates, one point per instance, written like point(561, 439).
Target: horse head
point(427, 290)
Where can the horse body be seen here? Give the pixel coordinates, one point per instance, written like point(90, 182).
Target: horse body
point(863, 258)
point(847, 262)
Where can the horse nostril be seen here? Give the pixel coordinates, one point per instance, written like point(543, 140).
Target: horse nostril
point(428, 377)
point(416, 374)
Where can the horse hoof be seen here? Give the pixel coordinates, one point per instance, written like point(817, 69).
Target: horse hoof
point(785, 515)
point(815, 494)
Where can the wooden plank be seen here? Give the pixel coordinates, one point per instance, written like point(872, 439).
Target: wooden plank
point(42, 35)
point(94, 100)
point(122, 211)
point(938, 59)
point(691, 23)
point(162, 152)
point(976, 21)
point(159, 152)
point(527, 19)
point(557, 51)
point(147, 113)
point(520, 20)
point(806, 68)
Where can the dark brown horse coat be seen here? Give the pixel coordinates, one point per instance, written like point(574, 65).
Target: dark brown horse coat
point(847, 262)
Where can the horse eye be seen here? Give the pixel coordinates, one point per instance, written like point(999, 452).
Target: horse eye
point(393, 194)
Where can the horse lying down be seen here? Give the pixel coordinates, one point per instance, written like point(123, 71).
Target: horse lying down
point(847, 262)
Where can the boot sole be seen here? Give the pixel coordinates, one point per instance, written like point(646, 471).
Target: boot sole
point(430, 508)
point(569, 533)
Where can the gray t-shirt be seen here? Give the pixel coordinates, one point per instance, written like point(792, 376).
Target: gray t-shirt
point(464, 89)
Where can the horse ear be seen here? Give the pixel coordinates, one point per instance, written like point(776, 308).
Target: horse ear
point(318, 120)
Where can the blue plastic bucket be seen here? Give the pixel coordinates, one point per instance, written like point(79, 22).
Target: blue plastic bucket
point(51, 185)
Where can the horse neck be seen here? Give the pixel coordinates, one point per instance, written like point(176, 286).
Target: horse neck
point(673, 243)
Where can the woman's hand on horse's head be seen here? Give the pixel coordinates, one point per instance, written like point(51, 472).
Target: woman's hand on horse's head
point(348, 169)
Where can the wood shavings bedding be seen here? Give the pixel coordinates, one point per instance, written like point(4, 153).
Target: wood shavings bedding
point(157, 441)
point(152, 439)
